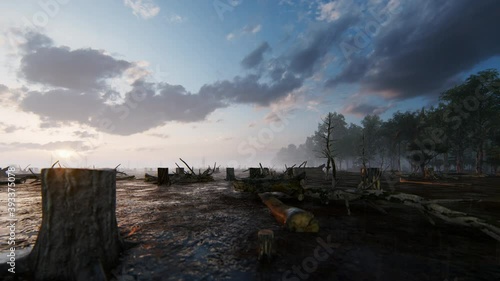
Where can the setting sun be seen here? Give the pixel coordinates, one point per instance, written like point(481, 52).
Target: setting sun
point(64, 153)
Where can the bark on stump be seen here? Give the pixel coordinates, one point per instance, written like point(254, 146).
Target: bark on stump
point(79, 238)
point(266, 244)
point(230, 174)
point(163, 178)
point(255, 172)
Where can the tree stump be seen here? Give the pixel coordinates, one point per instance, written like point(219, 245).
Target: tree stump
point(255, 172)
point(179, 171)
point(78, 238)
point(163, 178)
point(230, 174)
point(266, 244)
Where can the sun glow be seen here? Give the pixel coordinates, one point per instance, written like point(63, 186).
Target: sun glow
point(64, 153)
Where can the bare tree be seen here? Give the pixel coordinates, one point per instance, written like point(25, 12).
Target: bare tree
point(327, 149)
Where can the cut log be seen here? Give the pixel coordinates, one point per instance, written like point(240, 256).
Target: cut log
point(266, 244)
point(294, 219)
point(163, 178)
point(78, 238)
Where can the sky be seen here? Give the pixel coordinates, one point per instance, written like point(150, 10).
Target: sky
point(142, 83)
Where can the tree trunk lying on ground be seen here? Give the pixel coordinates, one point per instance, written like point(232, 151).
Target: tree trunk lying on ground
point(292, 187)
point(429, 208)
point(294, 219)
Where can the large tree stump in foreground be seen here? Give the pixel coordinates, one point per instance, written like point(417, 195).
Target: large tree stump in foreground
point(79, 238)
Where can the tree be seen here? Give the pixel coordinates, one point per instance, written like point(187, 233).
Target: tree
point(371, 130)
point(429, 140)
point(474, 104)
point(329, 131)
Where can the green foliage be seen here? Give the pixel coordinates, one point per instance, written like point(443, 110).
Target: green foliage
point(463, 129)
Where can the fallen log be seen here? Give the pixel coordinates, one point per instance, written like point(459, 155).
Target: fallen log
point(292, 187)
point(403, 180)
point(294, 219)
point(123, 178)
point(150, 178)
point(429, 208)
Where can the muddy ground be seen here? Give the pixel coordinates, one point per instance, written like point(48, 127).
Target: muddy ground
point(209, 232)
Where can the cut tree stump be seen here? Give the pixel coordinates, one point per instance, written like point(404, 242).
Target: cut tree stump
point(230, 174)
point(163, 178)
point(255, 172)
point(78, 238)
point(266, 244)
point(179, 171)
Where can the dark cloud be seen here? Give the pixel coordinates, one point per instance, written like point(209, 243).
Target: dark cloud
point(425, 47)
point(363, 109)
point(79, 93)
point(35, 41)
point(84, 134)
point(256, 56)
point(7, 128)
point(248, 89)
point(146, 106)
point(304, 59)
point(62, 105)
point(81, 69)
point(3, 89)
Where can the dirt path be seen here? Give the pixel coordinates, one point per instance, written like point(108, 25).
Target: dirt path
point(208, 232)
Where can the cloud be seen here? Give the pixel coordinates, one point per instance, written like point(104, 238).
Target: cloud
point(146, 106)
point(161, 136)
point(145, 9)
point(363, 109)
point(319, 43)
point(333, 10)
point(249, 90)
point(175, 18)
point(424, 49)
point(7, 128)
point(256, 56)
point(84, 134)
point(51, 146)
point(246, 30)
point(252, 28)
point(77, 90)
point(81, 69)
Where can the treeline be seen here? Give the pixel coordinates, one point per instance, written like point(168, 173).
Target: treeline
point(461, 133)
